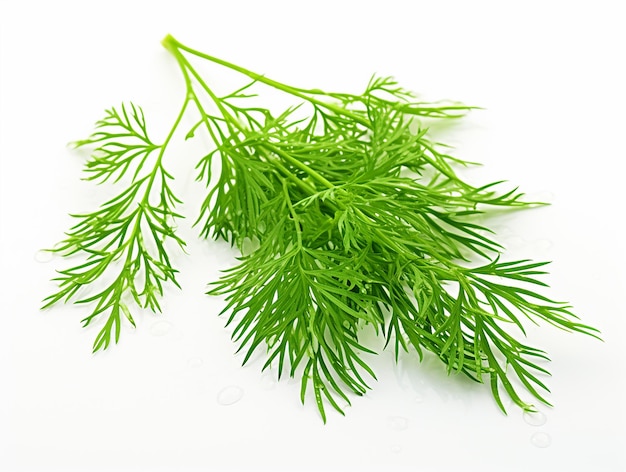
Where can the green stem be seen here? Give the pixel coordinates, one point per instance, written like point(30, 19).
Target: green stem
point(157, 165)
point(136, 231)
point(294, 215)
point(170, 43)
point(303, 167)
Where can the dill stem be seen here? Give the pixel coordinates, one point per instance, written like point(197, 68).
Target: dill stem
point(157, 165)
point(145, 201)
point(172, 44)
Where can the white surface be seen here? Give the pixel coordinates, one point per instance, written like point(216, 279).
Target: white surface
point(551, 77)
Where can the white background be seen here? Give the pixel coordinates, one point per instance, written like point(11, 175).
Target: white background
point(550, 76)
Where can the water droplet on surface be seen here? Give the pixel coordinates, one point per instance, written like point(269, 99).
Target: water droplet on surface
point(160, 328)
point(535, 418)
point(418, 399)
point(195, 362)
point(541, 440)
point(268, 382)
point(248, 246)
point(396, 449)
point(229, 395)
point(398, 423)
point(43, 256)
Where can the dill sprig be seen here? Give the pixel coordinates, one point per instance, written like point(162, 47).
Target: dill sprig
point(358, 218)
point(123, 244)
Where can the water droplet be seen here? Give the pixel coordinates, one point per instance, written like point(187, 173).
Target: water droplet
point(195, 362)
point(396, 449)
point(43, 256)
point(161, 328)
point(268, 382)
point(535, 418)
point(541, 440)
point(248, 246)
point(398, 423)
point(418, 399)
point(229, 395)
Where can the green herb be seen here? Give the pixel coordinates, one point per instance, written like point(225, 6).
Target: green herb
point(359, 220)
point(123, 242)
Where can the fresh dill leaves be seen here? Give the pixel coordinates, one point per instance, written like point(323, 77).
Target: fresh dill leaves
point(359, 220)
point(122, 245)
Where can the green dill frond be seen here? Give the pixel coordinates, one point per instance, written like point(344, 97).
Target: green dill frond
point(123, 245)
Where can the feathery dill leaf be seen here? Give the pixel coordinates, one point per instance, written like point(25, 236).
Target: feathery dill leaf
point(123, 244)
